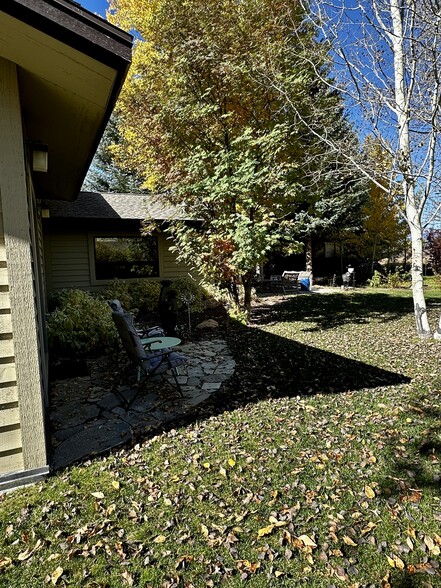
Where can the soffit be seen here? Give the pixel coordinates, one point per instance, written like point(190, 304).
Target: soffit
point(67, 96)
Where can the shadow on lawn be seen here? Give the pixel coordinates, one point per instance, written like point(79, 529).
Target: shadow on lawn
point(268, 365)
point(327, 311)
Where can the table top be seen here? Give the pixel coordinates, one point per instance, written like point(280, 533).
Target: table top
point(155, 343)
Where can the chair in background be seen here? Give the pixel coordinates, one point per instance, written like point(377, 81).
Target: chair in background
point(290, 282)
point(148, 362)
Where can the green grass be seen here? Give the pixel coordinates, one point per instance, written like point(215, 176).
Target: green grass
point(319, 466)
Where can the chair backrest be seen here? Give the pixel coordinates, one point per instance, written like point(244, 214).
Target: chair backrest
point(130, 338)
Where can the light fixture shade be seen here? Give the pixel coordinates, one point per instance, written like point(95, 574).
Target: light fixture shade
point(39, 158)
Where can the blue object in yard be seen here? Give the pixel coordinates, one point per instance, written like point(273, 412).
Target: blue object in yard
point(304, 284)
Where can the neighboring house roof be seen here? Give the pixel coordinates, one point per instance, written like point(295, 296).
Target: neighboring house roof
point(97, 205)
point(71, 65)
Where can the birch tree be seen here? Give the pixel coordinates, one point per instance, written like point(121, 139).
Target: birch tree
point(386, 56)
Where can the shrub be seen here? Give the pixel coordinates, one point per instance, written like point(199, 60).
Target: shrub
point(376, 280)
point(145, 295)
point(80, 325)
point(397, 280)
point(187, 288)
point(119, 290)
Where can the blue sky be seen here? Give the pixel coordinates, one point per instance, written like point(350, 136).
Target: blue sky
point(96, 6)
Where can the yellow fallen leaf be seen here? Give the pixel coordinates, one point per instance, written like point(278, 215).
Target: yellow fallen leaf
point(4, 563)
point(307, 541)
point(390, 561)
point(349, 541)
point(160, 539)
point(98, 494)
point(223, 472)
point(399, 563)
point(277, 573)
point(429, 542)
point(204, 530)
point(409, 543)
point(369, 492)
point(277, 523)
point(368, 528)
point(56, 575)
point(231, 462)
point(115, 484)
point(437, 539)
point(265, 531)
point(206, 465)
point(111, 509)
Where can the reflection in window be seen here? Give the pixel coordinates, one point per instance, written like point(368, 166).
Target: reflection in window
point(126, 257)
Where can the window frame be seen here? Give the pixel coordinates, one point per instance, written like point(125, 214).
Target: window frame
point(92, 236)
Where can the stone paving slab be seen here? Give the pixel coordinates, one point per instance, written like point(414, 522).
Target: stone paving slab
point(88, 419)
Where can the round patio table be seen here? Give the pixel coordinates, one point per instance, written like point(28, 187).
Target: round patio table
point(156, 343)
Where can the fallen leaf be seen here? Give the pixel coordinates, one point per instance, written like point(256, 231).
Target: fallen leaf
point(4, 563)
point(115, 485)
point(368, 528)
point(369, 492)
point(349, 541)
point(98, 494)
point(231, 462)
point(204, 530)
point(429, 542)
point(265, 530)
point(307, 541)
point(56, 575)
point(160, 539)
point(24, 555)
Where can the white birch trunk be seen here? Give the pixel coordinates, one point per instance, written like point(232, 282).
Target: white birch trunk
point(413, 217)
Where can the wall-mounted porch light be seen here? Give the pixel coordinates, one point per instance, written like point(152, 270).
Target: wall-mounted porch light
point(39, 157)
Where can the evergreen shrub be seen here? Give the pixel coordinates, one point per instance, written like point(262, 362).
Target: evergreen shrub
point(80, 325)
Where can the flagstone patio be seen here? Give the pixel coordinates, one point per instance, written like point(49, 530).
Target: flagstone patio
point(87, 419)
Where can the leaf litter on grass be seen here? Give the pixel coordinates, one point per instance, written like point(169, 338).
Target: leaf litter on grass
point(329, 489)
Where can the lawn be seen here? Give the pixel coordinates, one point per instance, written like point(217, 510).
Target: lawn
point(319, 466)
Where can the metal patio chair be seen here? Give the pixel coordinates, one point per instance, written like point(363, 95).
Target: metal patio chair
point(148, 362)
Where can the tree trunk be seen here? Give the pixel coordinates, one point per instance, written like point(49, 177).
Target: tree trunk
point(413, 217)
point(419, 301)
point(247, 288)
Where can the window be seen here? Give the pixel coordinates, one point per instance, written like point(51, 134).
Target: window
point(126, 257)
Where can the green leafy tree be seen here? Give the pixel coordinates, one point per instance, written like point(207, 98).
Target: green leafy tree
point(200, 122)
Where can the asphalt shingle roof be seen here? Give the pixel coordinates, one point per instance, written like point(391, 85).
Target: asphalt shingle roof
point(111, 206)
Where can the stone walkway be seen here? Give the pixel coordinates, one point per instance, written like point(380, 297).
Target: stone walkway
point(87, 420)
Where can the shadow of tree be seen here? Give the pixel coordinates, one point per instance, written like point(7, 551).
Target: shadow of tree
point(270, 366)
point(411, 476)
point(327, 311)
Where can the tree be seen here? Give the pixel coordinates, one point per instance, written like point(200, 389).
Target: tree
point(383, 232)
point(200, 122)
point(386, 55)
point(104, 174)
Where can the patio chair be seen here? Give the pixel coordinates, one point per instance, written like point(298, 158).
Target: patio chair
point(290, 281)
point(148, 362)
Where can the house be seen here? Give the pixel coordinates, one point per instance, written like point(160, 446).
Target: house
point(61, 69)
point(92, 240)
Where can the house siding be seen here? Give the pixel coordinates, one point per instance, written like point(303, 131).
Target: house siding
point(69, 259)
point(22, 436)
